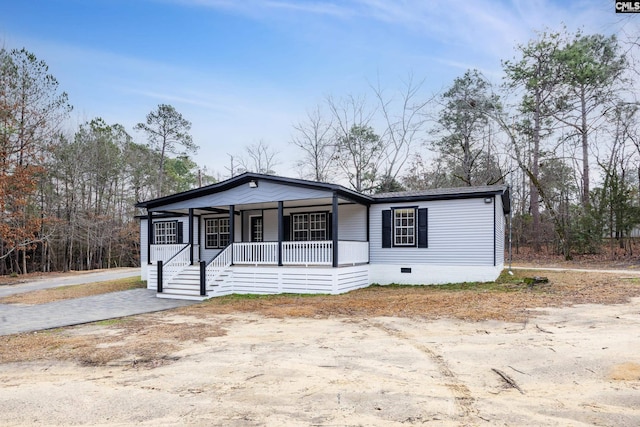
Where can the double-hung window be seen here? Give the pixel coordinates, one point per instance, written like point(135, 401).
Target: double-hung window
point(165, 232)
point(309, 226)
point(404, 227)
point(216, 233)
point(300, 226)
point(318, 226)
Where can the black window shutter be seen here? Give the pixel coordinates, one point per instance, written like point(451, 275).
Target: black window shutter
point(386, 228)
point(179, 236)
point(422, 228)
point(287, 227)
point(152, 238)
point(329, 232)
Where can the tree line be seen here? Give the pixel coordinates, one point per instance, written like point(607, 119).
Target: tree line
point(566, 104)
point(67, 198)
point(560, 129)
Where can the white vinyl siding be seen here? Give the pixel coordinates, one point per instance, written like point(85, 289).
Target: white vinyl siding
point(270, 224)
point(352, 223)
point(144, 238)
point(500, 231)
point(460, 233)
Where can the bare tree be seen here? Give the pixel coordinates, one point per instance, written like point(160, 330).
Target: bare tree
point(405, 119)
point(259, 158)
point(359, 149)
point(314, 137)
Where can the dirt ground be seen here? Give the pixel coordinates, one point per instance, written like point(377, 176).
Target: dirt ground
point(562, 353)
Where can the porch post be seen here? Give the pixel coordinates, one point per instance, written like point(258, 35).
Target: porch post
point(203, 278)
point(334, 228)
point(191, 235)
point(368, 219)
point(280, 231)
point(160, 278)
point(368, 231)
point(232, 228)
point(149, 235)
point(199, 241)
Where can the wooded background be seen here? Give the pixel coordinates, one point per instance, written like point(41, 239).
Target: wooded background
point(561, 128)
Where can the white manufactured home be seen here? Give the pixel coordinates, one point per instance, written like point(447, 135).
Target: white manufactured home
point(264, 234)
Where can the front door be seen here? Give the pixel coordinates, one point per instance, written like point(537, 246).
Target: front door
point(256, 229)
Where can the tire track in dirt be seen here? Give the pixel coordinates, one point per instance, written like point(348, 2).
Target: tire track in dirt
point(461, 394)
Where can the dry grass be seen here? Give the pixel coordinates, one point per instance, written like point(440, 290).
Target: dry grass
point(509, 299)
point(151, 340)
point(74, 291)
point(15, 279)
point(140, 341)
point(625, 372)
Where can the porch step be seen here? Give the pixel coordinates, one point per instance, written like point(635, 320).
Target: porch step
point(189, 277)
point(185, 280)
point(190, 297)
point(186, 285)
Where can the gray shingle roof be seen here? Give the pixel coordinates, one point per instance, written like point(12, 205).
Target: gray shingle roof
point(443, 191)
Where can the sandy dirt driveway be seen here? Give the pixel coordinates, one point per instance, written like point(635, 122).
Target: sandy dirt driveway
point(567, 366)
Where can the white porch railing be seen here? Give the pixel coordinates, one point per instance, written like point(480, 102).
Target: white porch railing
point(218, 265)
point(307, 253)
point(165, 252)
point(175, 265)
point(264, 253)
point(351, 252)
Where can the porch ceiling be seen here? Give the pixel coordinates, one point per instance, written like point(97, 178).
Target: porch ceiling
point(263, 205)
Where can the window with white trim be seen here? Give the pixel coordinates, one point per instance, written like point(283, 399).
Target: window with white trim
point(309, 226)
point(216, 232)
point(165, 232)
point(300, 226)
point(318, 226)
point(404, 227)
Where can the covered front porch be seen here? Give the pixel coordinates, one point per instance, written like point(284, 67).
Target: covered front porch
point(252, 267)
point(284, 237)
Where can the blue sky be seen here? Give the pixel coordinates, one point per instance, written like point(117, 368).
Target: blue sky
point(246, 70)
